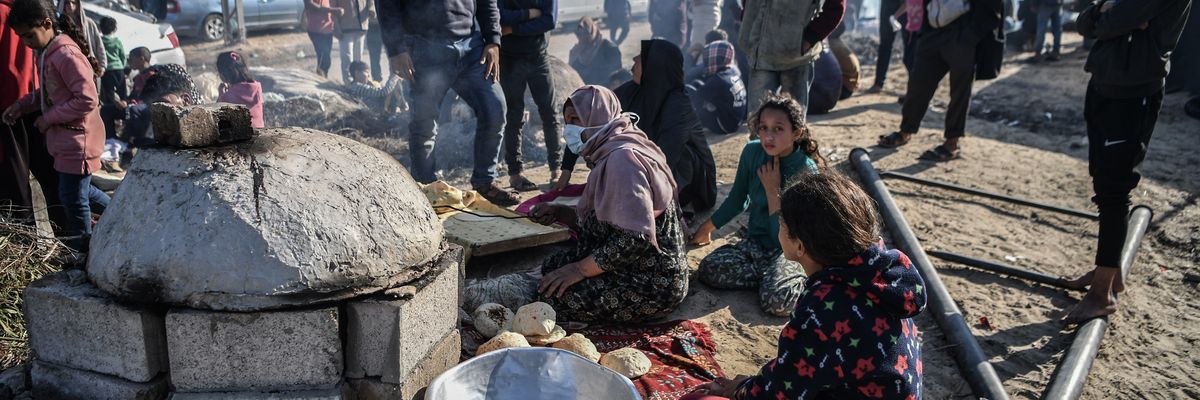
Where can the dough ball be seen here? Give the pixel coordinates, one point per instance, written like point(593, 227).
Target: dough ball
point(580, 345)
point(491, 319)
point(502, 341)
point(442, 194)
point(534, 319)
point(627, 361)
point(557, 334)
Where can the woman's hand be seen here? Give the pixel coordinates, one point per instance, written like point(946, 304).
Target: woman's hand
point(556, 282)
point(722, 387)
point(545, 214)
point(222, 88)
point(11, 114)
point(564, 179)
point(703, 235)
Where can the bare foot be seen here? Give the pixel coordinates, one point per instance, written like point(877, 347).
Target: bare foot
point(1085, 280)
point(1090, 307)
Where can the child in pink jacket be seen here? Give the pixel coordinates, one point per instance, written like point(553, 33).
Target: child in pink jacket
point(239, 87)
point(69, 106)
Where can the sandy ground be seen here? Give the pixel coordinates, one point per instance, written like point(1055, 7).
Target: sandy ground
point(1025, 138)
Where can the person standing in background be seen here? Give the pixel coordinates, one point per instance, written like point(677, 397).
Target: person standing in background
point(706, 16)
point(352, 27)
point(668, 20)
point(1048, 11)
point(88, 29)
point(113, 85)
point(616, 16)
point(22, 148)
point(440, 45)
point(1129, 63)
point(375, 45)
point(946, 50)
point(887, 42)
point(526, 26)
point(319, 16)
point(777, 60)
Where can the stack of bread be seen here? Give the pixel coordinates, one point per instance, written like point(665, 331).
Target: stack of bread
point(534, 325)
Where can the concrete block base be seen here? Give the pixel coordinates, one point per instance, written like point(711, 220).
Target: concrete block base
point(73, 324)
point(259, 351)
point(442, 357)
point(337, 393)
point(387, 338)
point(63, 383)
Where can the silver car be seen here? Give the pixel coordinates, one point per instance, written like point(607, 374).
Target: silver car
point(570, 11)
point(202, 18)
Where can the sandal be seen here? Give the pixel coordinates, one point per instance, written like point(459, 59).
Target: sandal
point(498, 196)
point(894, 140)
point(941, 153)
point(524, 185)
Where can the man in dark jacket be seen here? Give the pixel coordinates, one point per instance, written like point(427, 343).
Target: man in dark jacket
point(449, 44)
point(949, 49)
point(1128, 62)
point(525, 63)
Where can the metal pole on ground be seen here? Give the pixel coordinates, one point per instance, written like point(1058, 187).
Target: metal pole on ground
point(1067, 382)
point(990, 195)
point(970, 357)
point(1005, 269)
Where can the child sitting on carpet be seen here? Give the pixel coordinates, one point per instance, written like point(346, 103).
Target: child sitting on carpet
point(784, 149)
point(851, 334)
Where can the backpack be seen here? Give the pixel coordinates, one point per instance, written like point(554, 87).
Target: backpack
point(941, 13)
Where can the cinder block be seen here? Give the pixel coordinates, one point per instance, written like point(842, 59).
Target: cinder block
point(200, 125)
point(64, 383)
point(387, 338)
point(337, 393)
point(259, 351)
point(73, 324)
point(441, 358)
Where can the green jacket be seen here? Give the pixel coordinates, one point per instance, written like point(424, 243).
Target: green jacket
point(748, 193)
point(772, 30)
point(114, 52)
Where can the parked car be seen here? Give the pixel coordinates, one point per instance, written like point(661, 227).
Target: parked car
point(202, 18)
point(570, 11)
point(136, 29)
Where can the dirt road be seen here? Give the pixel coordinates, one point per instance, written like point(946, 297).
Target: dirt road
point(1025, 138)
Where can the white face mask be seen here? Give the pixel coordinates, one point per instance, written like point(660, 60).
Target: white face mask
point(574, 136)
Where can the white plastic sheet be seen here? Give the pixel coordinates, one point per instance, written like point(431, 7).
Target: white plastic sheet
point(531, 374)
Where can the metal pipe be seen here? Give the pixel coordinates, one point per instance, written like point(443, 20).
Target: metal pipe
point(970, 357)
point(1068, 380)
point(1005, 269)
point(990, 195)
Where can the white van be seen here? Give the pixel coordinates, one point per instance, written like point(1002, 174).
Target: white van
point(141, 30)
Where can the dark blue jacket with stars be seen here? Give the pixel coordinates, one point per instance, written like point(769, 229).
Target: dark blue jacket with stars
point(851, 335)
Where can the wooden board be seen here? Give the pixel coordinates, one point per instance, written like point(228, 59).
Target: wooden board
point(482, 236)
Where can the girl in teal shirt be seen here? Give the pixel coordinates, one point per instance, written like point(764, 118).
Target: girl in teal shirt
point(784, 148)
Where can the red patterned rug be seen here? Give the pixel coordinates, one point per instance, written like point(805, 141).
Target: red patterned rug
point(681, 353)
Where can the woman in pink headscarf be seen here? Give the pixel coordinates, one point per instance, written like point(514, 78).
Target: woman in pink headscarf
point(630, 263)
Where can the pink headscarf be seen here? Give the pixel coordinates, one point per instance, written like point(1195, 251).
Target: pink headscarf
point(630, 183)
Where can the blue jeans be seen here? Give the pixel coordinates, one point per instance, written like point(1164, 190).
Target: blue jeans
point(80, 199)
point(1053, 15)
point(440, 65)
point(795, 82)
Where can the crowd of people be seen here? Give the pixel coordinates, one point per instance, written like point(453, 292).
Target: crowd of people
point(811, 244)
